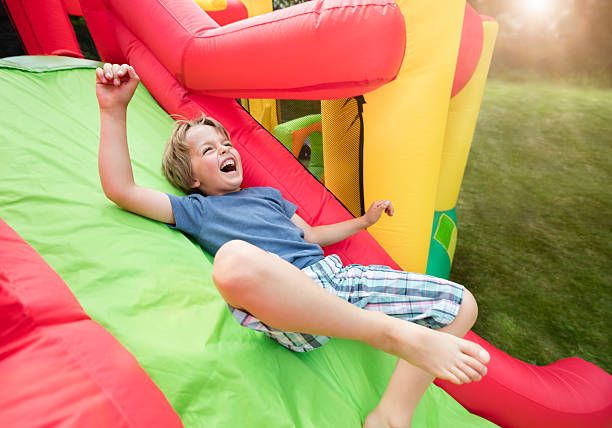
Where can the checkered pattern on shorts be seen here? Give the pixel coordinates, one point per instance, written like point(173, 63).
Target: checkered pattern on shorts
point(414, 297)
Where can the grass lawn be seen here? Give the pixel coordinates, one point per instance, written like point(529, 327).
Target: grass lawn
point(535, 221)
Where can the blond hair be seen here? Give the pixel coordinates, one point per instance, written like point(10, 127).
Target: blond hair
point(176, 162)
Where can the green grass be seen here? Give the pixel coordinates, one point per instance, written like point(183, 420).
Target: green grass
point(535, 221)
point(292, 109)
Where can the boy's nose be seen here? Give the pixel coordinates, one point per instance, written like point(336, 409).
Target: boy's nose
point(223, 149)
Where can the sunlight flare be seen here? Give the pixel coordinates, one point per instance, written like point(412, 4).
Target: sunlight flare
point(537, 7)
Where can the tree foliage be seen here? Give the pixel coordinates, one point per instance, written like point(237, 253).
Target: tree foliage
point(571, 37)
point(281, 4)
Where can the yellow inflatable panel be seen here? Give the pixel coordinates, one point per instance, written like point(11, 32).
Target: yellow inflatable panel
point(404, 129)
point(462, 116)
point(257, 7)
point(212, 5)
point(265, 111)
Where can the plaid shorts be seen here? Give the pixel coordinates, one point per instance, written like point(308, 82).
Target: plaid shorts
point(422, 299)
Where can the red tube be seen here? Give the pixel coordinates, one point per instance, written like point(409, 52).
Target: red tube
point(323, 57)
point(470, 49)
point(73, 7)
point(44, 27)
point(569, 393)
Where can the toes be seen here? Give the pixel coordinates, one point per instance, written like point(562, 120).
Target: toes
point(460, 374)
point(450, 376)
point(473, 374)
point(476, 351)
point(476, 365)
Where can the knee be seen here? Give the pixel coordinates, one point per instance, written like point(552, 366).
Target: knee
point(469, 308)
point(233, 267)
point(232, 263)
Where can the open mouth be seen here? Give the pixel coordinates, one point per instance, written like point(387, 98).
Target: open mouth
point(228, 165)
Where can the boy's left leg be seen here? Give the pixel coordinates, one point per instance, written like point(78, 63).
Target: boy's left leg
point(408, 383)
point(285, 298)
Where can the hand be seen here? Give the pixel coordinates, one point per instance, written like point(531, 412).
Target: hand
point(115, 85)
point(376, 210)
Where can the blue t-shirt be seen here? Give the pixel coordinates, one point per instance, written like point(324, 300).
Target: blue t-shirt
point(257, 215)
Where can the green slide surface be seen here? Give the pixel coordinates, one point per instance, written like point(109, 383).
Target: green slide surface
point(151, 286)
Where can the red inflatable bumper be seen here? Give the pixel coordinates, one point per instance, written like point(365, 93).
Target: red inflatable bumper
point(323, 56)
point(58, 366)
point(569, 393)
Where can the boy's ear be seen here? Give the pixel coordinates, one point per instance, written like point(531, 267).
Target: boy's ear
point(195, 184)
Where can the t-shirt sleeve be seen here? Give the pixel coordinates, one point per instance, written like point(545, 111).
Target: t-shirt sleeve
point(287, 206)
point(188, 212)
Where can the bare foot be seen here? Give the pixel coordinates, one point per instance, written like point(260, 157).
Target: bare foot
point(440, 354)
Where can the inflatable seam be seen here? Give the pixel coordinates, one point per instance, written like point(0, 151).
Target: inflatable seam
point(178, 21)
point(298, 89)
point(317, 12)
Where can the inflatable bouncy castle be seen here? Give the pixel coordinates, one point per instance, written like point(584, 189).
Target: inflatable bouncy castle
point(110, 319)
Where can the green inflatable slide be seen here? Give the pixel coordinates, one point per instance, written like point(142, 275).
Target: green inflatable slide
point(151, 286)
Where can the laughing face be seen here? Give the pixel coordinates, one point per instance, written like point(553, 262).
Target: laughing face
point(215, 163)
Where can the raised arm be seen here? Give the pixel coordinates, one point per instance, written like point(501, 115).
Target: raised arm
point(331, 233)
point(115, 86)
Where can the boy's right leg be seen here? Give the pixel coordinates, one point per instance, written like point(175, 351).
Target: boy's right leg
point(285, 298)
point(408, 383)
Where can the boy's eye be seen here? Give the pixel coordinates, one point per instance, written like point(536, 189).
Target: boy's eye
point(206, 150)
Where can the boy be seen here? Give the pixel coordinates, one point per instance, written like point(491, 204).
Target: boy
point(284, 284)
